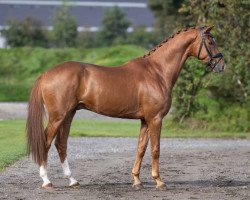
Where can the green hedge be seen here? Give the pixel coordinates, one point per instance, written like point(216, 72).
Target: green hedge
point(19, 67)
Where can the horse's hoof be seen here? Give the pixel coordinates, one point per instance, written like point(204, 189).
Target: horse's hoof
point(75, 185)
point(161, 186)
point(137, 186)
point(47, 186)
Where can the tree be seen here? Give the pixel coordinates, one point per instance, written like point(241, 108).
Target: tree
point(233, 88)
point(232, 37)
point(28, 32)
point(188, 85)
point(114, 28)
point(231, 20)
point(168, 19)
point(65, 28)
point(166, 14)
point(86, 39)
point(141, 37)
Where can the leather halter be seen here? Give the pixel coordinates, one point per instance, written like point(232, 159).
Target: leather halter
point(210, 63)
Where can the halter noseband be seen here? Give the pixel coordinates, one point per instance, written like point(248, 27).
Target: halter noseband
point(211, 56)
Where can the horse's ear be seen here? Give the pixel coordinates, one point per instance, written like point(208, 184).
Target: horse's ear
point(208, 29)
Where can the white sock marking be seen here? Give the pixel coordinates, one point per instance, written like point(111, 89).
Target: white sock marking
point(44, 176)
point(67, 173)
point(66, 170)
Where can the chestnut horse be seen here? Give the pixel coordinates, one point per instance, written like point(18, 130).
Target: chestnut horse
point(139, 89)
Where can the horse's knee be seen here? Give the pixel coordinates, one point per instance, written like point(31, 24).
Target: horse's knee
point(155, 153)
point(141, 152)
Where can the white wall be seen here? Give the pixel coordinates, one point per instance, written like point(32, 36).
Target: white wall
point(2, 41)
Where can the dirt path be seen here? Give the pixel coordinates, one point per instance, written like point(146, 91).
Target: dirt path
point(192, 169)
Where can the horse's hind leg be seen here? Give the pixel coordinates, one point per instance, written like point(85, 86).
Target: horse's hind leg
point(61, 146)
point(142, 145)
point(54, 123)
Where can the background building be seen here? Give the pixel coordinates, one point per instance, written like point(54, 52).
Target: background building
point(88, 14)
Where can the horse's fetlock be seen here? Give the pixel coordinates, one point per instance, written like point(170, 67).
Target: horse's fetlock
point(67, 174)
point(135, 174)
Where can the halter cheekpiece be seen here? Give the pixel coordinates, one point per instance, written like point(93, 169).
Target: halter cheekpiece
point(211, 56)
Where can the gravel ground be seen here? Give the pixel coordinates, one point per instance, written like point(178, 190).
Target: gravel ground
point(192, 169)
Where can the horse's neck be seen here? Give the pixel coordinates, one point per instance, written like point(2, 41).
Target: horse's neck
point(170, 58)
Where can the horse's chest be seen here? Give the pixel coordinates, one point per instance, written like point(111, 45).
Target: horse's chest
point(157, 102)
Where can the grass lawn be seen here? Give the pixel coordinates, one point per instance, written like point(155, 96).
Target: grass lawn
point(131, 129)
point(12, 135)
point(12, 142)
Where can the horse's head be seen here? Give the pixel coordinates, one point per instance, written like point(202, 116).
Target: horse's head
point(207, 50)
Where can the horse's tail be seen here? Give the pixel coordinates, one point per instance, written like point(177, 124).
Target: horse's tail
point(36, 138)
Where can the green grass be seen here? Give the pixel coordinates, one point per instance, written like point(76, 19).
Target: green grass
point(12, 136)
point(12, 141)
point(92, 128)
point(131, 128)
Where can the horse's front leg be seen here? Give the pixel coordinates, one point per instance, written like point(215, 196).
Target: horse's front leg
point(154, 132)
point(142, 146)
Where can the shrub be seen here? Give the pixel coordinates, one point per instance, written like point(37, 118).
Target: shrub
point(28, 32)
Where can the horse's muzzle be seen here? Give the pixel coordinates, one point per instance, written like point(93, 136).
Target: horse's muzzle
point(216, 66)
point(219, 66)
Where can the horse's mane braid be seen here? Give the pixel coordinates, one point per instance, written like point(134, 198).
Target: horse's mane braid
point(167, 39)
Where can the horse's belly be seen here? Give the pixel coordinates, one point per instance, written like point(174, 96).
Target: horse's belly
point(114, 107)
point(111, 94)
point(112, 102)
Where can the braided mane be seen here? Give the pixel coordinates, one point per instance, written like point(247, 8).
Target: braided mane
point(167, 39)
